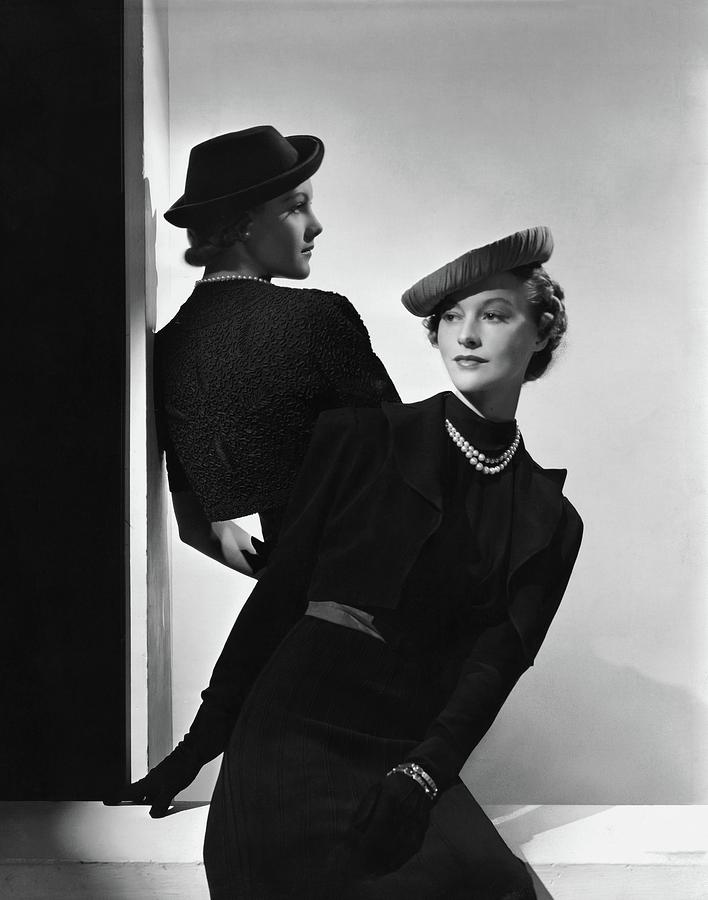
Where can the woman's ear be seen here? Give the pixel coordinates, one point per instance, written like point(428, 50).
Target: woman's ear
point(244, 228)
point(544, 327)
point(236, 231)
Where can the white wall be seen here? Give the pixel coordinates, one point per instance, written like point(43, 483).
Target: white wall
point(448, 125)
point(146, 144)
point(156, 186)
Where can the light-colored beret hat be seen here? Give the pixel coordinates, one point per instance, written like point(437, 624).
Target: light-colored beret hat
point(519, 249)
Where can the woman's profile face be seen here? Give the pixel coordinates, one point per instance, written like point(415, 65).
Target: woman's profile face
point(282, 234)
point(487, 337)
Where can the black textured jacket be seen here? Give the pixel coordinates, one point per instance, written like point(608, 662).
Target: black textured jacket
point(242, 373)
point(367, 499)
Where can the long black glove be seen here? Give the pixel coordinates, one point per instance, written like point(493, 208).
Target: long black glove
point(161, 784)
point(208, 736)
point(390, 824)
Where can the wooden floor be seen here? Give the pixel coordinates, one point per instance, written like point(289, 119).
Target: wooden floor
point(72, 851)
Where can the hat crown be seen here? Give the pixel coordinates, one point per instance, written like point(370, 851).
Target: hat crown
point(236, 161)
point(532, 245)
point(237, 171)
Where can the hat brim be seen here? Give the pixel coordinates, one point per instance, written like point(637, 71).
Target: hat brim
point(310, 151)
point(533, 245)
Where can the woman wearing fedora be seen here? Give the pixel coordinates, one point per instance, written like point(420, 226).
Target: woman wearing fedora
point(423, 557)
point(245, 367)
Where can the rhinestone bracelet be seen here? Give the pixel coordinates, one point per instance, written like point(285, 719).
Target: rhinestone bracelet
point(419, 775)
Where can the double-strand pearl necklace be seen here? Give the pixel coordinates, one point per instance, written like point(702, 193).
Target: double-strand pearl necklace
point(487, 465)
point(214, 278)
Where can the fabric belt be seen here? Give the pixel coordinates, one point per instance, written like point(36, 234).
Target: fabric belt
point(341, 614)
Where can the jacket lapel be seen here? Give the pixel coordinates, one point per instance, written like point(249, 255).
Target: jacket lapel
point(419, 443)
point(418, 440)
point(538, 504)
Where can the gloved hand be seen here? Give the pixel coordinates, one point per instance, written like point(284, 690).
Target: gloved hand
point(390, 823)
point(161, 784)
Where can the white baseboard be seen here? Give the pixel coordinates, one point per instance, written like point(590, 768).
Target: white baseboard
point(72, 851)
point(103, 881)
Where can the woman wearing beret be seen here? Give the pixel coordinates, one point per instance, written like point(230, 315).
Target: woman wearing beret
point(423, 557)
point(245, 367)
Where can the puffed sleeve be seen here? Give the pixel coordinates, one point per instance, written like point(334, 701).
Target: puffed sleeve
point(496, 661)
point(341, 348)
point(176, 476)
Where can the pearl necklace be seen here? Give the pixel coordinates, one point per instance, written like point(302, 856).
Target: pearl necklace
point(487, 465)
point(214, 278)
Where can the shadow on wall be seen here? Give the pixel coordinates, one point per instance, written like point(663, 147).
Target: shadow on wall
point(618, 737)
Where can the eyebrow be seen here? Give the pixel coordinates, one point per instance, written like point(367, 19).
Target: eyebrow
point(498, 300)
point(297, 195)
point(489, 302)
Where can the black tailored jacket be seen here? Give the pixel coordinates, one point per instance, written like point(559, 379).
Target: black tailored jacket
point(367, 499)
point(242, 373)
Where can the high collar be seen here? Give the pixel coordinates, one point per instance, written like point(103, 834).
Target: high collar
point(419, 443)
point(492, 437)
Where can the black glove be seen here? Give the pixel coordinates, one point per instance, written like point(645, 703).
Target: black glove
point(258, 560)
point(161, 784)
point(390, 824)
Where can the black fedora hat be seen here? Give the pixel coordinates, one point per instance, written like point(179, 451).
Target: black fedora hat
point(242, 169)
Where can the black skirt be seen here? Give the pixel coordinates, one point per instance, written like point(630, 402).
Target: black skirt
point(332, 712)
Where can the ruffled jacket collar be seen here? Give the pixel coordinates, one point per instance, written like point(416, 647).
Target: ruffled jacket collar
point(419, 445)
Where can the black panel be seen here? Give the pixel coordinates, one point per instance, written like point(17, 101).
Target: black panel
point(63, 731)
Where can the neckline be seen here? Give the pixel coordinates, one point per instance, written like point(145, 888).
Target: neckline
point(483, 433)
point(222, 279)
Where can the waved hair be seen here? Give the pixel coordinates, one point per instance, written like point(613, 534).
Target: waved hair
point(545, 295)
point(208, 240)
